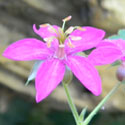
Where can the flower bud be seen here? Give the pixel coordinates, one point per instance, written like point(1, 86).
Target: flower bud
point(121, 72)
point(68, 76)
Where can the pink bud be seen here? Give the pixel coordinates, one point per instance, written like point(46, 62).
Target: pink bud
point(121, 72)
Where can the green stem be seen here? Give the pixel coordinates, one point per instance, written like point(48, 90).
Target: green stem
point(98, 107)
point(71, 104)
point(63, 25)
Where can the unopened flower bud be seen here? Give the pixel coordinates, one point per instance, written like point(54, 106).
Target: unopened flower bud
point(121, 72)
point(68, 76)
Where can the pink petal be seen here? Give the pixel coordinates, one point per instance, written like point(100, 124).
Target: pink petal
point(45, 31)
point(86, 73)
point(27, 49)
point(104, 55)
point(90, 37)
point(123, 58)
point(119, 43)
point(104, 43)
point(49, 75)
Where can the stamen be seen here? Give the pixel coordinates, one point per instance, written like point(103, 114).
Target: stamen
point(45, 25)
point(75, 38)
point(60, 32)
point(67, 19)
point(69, 30)
point(70, 44)
point(80, 28)
point(49, 44)
point(61, 36)
point(48, 40)
point(51, 29)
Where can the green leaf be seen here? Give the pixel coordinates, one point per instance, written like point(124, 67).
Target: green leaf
point(113, 37)
point(33, 72)
point(120, 35)
point(82, 114)
point(121, 32)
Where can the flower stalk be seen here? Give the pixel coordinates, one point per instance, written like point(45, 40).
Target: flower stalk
point(71, 104)
point(99, 106)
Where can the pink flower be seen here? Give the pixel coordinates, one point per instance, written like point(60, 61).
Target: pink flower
point(111, 44)
point(107, 52)
point(59, 51)
point(119, 44)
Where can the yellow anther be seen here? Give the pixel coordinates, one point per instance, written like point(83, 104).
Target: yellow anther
point(80, 28)
point(75, 38)
point(49, 44)
point(69, 30)
point(70, 44)
point(50, 27)
point(67, 19)
point(45, 25)
point(48, 40)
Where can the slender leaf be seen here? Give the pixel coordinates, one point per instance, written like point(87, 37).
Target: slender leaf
point(82, 114)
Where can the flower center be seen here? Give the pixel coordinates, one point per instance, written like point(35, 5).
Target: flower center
point(60, 53)
point(61, 36)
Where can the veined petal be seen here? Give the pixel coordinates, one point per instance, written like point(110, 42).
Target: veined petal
point(49, 75)
point(104, 55)
point(123, 58)
point(86, 73)
point(105, 43)
point(90, 37)
point(119, 43)
point(27, 49)
point(46, 31)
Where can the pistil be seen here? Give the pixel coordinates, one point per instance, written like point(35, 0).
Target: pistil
point(61, 51)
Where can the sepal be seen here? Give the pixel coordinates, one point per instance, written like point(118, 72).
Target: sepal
point(33, 72)
point(116, 63)
point(68, 76)
point(82, 114)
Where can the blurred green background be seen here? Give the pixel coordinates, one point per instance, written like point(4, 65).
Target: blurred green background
point(17, 102)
